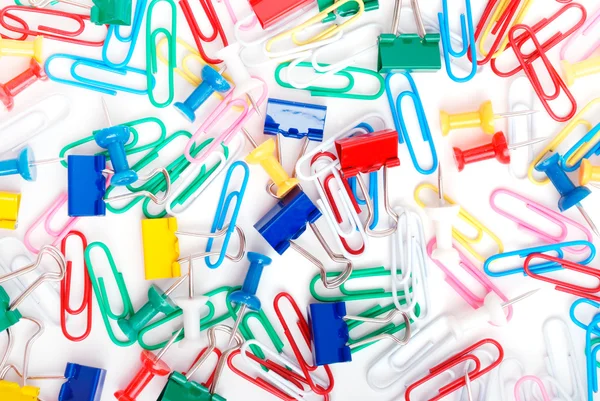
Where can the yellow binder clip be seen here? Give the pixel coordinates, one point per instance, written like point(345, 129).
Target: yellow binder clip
point(10, 391)
point(465, 240)
point(9, 210)
point(318, 19)
point(161, 248)
point(560, 137)
point(264, 155)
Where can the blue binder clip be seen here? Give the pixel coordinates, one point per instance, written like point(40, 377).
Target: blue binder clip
point(287, 220)
point(594, 150)
point(86, 185)
point(84, 383)
point(539, 268)
point(295, 120)
point(403, 136)
point(115, 30)
point(468, 41)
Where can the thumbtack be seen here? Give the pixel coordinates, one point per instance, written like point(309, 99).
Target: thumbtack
point(265, 156)
point(192, 307)
point(212, 81)
point(21, 82)
point(443, 218)
point(574, 71)
point(11, 47)
point(498, 149)
point(588, 173)
point(571, 195)
point(22, 165)
point(484, 118)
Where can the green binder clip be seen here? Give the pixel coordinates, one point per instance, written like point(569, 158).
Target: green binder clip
point(347, 9)
point(111, 12)
point(409, 51)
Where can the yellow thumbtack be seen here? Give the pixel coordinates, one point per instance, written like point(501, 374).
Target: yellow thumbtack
point(264, 155)
point(10, 47)
point(574, 71)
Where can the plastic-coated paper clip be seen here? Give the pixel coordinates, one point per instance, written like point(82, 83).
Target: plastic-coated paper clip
point(521, 98)
point(591, 328)
point(544, 267)
point(590, 24)
point(9, 210)
point(585, 148)
point(468, 41)
point(199, 36)
point(114, 31)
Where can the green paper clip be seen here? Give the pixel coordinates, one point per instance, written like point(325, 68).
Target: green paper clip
point(346, 10)
point(102, 297)
point(111, 12)
point(409, 51)
point(355, 295)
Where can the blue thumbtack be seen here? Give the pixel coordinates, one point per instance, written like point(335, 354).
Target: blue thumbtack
point(83, 383)
point(287, 220)
point(114, 139)
point(247, 295)
point(86, 185)
point(22, 165)
point(212, 82)
point(295, 120)
point(570, 195)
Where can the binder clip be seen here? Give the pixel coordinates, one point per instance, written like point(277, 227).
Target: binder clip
point(9, 210)
point(330, 333)
point(295, 120)
point(111, 12)
point(269, 12)
point(18, 84)
point(347, 9)
point(84, 383)
point(409, 51)
point(86, 185)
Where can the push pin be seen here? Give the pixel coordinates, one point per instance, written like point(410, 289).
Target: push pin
point(22, 165)
point(484, 118)
point(574, 71)
point(212, 81)
point(33, 49)
point(114, 139)
point(246, 297)
point(192, 307)
point(111, 12)
point(570, 195)
point(265, 156)
point(498, 149)
point(152, 365)
point(588, 173)
point(443, 218)
point(18, 84)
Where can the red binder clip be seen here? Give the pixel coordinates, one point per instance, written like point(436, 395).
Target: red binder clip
point(463, 357)
point(569, 288)
point(269, 12)
point(368, 152)
point(65, 291)
point(199, 36)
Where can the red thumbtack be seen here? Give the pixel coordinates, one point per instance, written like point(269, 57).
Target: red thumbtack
point(152, 366)
point(21, 82)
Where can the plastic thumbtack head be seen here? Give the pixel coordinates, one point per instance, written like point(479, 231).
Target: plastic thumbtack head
point(264, 155)
point(33, 49)
point(498, 149)
point(22, 165)
point(212, 82)
point(18, 84)
point(114, 139)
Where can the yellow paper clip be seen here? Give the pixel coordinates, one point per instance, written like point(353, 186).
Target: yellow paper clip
point(264, 155)
point(10, 391)
point(161, 248)
point(558, 139)
point(495, 20)
point(466, 241)
point(9, 210)
point(10, 47)
point(317, 19)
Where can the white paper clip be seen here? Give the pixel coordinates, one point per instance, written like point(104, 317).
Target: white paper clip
point(504, 380)
point(521, 129)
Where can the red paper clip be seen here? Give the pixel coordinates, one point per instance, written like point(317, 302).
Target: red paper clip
point(462, 357)
point(580, 291)
point(199, 36)
point(65, 291)
point(48, 32)
point(218, 353)
point(517, 41)
point(548, 44)
point(305, 331)
point(18, 21)
point(368, 152)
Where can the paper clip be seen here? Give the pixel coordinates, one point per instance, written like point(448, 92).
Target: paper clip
point(46, 218)
point(102, 297)
point(468, 41)
point(115, 31)
point(65, 292)
point(48, 32)
point(560, 138)
point(559, 83)
point(585, 148)
point(556, 218)
point(151, 52)
point(545, 267)
point(547, 45)
point(400, 124)
point(199, 36)
point(520, 129)
point(575, 37)
point(464, 239)
point(81, 81)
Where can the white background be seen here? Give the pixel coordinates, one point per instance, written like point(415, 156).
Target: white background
point(471, 188)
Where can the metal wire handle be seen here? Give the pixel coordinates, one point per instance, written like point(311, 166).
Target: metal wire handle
point(382, 320)
point(147, 194)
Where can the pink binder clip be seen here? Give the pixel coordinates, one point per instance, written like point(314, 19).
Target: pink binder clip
point(461, 289)
point(46, 218)
point(576, 37)
point(558, 219)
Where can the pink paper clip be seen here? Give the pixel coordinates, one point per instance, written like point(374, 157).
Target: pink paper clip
point(534, 379)
point(46, 218)
point(227, 104)
point(583, 31)
point(48, 32)
point(461, 289)
point(243, 24)
point(558, 219)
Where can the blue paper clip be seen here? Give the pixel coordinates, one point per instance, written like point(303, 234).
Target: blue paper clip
point(592, 368)
point(468, 42)
point(136, 26)
point(223, 210)
point(295, 120)
point(396, 108)
point(539, 268)
point(84, 383)
point(594, 150)
point(91, 84)
point(594, 328)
